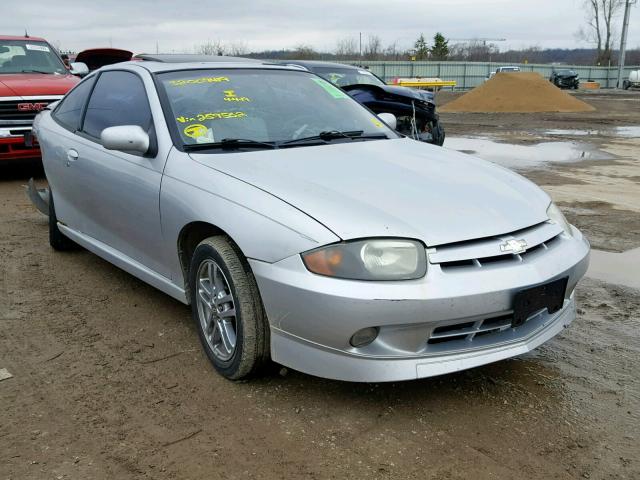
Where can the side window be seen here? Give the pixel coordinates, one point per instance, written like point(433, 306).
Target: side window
point(119, 98)
point(69, 112)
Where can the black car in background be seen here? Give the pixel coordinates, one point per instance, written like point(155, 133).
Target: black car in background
point(414, 109)
point(565, 78)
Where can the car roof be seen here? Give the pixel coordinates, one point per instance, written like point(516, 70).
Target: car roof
point(316, 63)
point(191, 58)
point(155, 66)
point(22, 37)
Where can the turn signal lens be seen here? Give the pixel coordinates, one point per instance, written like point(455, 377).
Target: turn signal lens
point(323, 262)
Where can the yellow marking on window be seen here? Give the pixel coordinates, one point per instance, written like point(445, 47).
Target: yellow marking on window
point(197, 81)
point(231, 96)
point(201, 117)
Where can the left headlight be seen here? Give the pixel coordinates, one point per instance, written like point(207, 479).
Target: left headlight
point(374, 259)
point(556, 216)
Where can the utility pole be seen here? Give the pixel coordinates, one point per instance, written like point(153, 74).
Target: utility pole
point(360, 54)
point(623, 41)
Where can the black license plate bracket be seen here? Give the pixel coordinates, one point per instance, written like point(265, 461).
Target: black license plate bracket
point(530, 300)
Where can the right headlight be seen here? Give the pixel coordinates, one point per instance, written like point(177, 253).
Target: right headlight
point(556, 216)
point(373, 259)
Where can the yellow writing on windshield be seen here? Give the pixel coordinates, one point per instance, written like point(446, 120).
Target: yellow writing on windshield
point(201, 117)
point(197, 81)
point(231, 96)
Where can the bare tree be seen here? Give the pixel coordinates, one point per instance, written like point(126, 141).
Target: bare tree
point(391, 52)
point(237, 48)
point(347, 48)
point(599, 30)
point(211, 48)
point(474, 51)
point(304, 52)
point(373, 48)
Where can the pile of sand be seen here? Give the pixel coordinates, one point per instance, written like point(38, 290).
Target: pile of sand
point(517, 92)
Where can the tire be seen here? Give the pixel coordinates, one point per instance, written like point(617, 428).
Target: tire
point(625, 85)
point(220, 276)
point(57, 240)
point(437, 133)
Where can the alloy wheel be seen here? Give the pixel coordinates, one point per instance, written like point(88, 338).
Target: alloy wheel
point(216, 310)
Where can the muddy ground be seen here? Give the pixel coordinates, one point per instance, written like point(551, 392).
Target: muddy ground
point(109, 380)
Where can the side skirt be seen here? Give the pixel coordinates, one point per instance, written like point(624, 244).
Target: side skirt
point(126, 263)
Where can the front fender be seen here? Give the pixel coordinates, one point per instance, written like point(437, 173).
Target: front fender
point(263, 226)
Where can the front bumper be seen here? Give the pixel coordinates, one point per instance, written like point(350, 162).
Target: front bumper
point(13, 146)
point(312, 318)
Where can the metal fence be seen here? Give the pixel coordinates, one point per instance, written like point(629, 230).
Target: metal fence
point(470, 74)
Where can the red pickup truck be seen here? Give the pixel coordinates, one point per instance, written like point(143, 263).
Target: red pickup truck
point(32, 75)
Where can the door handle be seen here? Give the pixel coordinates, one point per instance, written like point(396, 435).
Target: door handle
point(72, 156)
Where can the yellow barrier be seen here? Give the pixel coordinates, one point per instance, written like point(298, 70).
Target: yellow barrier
point(451, 83)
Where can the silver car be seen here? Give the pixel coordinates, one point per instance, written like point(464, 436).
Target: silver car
point(300, 227)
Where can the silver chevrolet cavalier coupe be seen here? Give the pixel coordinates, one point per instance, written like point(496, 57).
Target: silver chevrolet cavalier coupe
point(300, 227)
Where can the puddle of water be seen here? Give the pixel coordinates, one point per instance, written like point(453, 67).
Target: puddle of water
point(618, 268)
point(573, 133)
point(631, 131)
point(525, 156)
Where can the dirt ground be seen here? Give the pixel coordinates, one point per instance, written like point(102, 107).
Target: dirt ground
point(109, 380)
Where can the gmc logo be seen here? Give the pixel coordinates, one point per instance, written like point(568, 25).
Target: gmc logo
point(31, 107)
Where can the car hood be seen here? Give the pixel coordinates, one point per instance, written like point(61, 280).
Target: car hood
point(30, 84)
point(399, 188)
point(96, 58)
point(404, 92)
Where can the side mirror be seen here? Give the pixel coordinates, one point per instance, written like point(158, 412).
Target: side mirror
point(389, 118)
point(80, 69)
point(126, 138)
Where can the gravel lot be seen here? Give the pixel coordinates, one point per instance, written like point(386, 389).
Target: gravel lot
point(109, 380)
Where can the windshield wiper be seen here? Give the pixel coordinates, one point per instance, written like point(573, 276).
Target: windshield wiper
point(329, 135)
point(231, 144)
point(35, 71)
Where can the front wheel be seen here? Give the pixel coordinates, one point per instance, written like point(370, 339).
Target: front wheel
point(437, 133)
point(227, 309)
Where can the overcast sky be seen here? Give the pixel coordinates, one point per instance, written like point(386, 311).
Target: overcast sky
point(179, 25)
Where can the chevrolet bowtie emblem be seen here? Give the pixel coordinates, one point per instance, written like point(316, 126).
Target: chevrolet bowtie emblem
point(513, 246)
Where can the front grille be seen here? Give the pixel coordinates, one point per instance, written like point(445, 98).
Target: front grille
point(9, 109)
point(467, 331)
point(486, 252)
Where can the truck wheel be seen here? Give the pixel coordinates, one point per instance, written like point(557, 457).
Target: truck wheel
point(57, 240)
point(227, 309)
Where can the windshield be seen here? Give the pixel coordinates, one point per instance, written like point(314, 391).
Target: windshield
point(209, 106)
point(565, 72)
point(26, 56)
point(343, 77)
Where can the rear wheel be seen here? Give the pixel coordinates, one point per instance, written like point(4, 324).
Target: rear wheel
point(227, 309)
point(57, 240)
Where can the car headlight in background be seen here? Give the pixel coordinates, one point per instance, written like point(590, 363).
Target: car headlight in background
point(556, 216)
point(374, 259)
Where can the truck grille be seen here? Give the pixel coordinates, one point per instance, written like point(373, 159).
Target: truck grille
point(486, 252)
point(9, 110)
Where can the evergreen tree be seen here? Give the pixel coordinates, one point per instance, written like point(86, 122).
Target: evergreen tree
point(421, 48)
point(440, 49)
